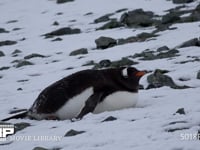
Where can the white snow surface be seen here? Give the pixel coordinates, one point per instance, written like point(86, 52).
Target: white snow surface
point(140, 128)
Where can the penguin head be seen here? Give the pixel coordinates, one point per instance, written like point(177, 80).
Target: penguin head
point(131, 72)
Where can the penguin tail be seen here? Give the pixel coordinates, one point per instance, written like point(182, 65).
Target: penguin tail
point(17, 116)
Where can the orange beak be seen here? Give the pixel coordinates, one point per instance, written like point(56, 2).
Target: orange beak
point(140, 73)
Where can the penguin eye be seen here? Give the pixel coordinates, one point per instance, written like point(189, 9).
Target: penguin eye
point(125, 72)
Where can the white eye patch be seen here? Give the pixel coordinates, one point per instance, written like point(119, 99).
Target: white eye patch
point(125, 72)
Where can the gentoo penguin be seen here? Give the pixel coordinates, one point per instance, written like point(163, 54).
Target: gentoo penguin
point(86, 91)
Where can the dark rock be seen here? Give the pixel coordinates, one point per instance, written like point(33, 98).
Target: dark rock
point(7, 42)
point(62, 31)
point(89, 13)
point(103, 18)
point(12, 21)
point(158, 79)
point(24, 80)
point(163, 48)
point(34, 55)
point(121, 10)
point(147, 55)
point(89, 63)
point(19, 89)
point(2, 30)
point(105, 42)
point(138, 38)
point(63, 1)
point(110, 25)
point(20, 126)
point(168, 54)
point(2, 54)
point(177, 129)
point(170, 18)
point(57, 39)
point(176, 122)
point(16, 52)
point(40, 148)
point(1, 77)
point(192, 42)
point(144, 35)
point(182, 1)
point(110, 118)
point(198, 75)
point(73, 133)
point(180, 111)
point(123, 62)
point(79, 52)
point(127, 40)
point(137, 18)
point(59, 13)
point(16, 29)
point(4, 68)
point(55, 23)
point(22, 63)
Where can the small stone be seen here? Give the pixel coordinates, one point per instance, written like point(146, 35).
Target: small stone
point(177, 129)
point(4, 68)
point(121, 10)
point(80, 51)
point(73, 133)
point(170, 18)
point(163, 48)
point(62, 31)
point(180, 111)
point(12, 21)
point(16, 52)
point(89, 13)
point(7, 43)
point(2, 30)
point(19, 89)
point(89, 63)
point(34, 55)
point(198, 75)
point(105, 42)
point(22, 63)
point(103, 18)
point(2, 54)
point(55, 23)
point(110, 118)
point(40, 148)
point(63, 1)
point(182, 1)
point(123, 62)
point(144, 35)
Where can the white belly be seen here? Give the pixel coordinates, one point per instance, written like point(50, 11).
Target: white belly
point(115, 101)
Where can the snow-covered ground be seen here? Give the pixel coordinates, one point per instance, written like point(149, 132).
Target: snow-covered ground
point(144, 127)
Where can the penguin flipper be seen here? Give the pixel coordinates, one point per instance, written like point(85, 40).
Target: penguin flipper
point(90, 104)
point(17, 116)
